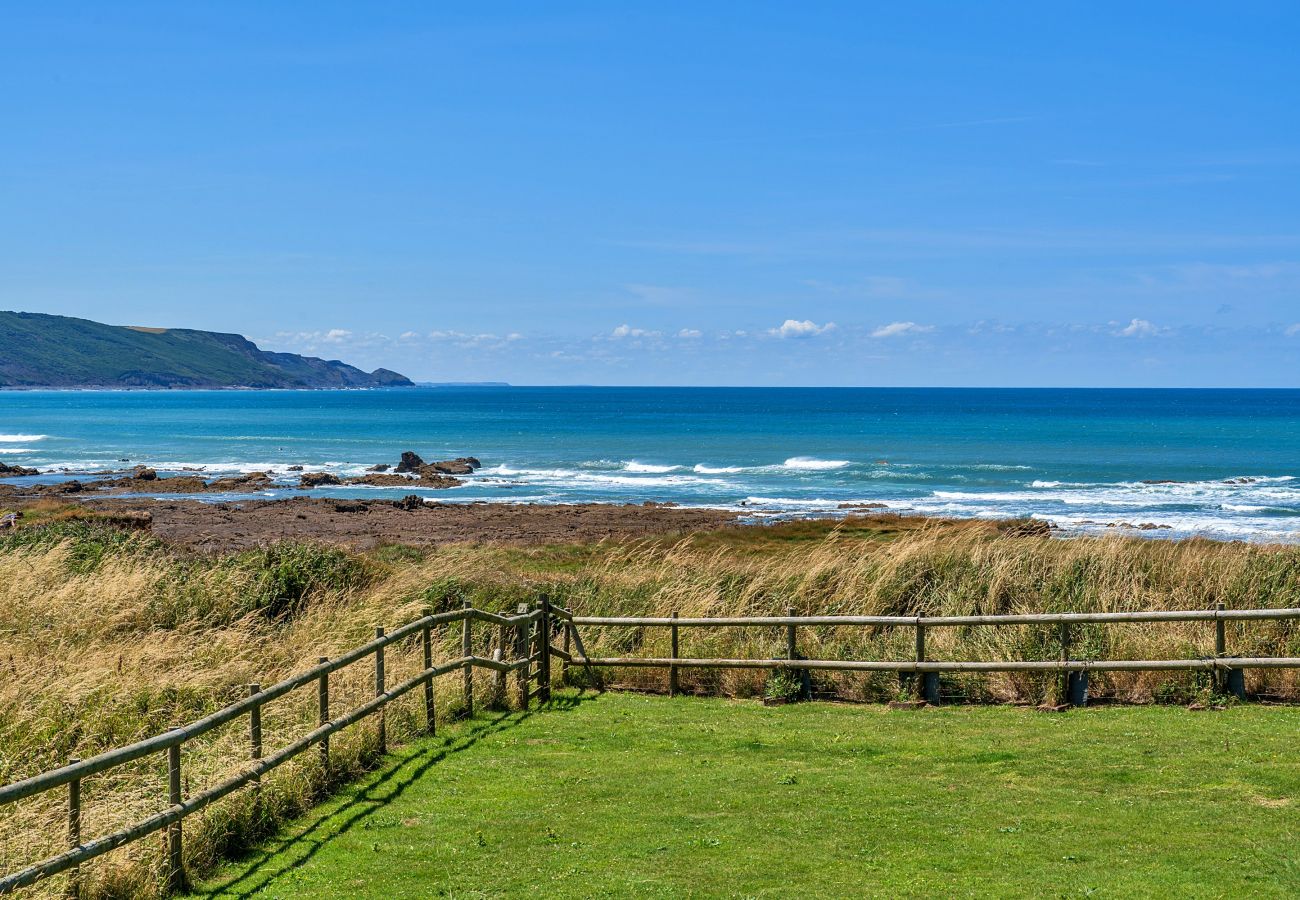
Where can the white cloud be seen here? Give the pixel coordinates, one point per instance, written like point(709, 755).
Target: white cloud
point(689, 333)
point(897, 329)
point(792, 328)
point(1137, 328)
point(1293, 331)
point(409, 336)
point(627, 331)
point(336, 336)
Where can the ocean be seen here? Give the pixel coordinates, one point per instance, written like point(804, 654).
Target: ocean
point(1222, 463)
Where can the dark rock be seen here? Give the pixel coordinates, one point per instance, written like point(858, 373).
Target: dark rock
point(344, 507)
point(381, 467)
point(317, 479)
point(7, 471)
point(1025, 528)
point(411, 462)
point(461, 465)
point(1162, 481)
point(410, 502)
point(144, 473)
point(863, 506)
point(382, 479)
point(253, 481)
point(294, 469)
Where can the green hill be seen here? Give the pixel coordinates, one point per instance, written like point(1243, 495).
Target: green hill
point(38, 350)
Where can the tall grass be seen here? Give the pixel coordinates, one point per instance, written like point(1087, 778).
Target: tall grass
point(106, 638)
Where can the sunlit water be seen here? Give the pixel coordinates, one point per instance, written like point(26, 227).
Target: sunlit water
point(1222, 463)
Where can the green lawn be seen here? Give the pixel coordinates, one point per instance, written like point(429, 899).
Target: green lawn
point(625, 795)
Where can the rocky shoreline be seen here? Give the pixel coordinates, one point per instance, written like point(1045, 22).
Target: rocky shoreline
point(411, 471)
point(365, 524)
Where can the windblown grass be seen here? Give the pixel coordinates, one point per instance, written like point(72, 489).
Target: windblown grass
point(107, 637)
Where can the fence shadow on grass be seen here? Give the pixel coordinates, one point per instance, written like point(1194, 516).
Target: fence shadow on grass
point(309, 839)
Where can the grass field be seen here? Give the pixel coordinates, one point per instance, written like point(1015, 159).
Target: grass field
point(623, 795)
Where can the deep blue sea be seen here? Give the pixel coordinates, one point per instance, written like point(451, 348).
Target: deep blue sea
point(1228, 460)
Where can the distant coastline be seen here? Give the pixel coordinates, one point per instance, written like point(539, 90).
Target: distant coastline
point(45, 352)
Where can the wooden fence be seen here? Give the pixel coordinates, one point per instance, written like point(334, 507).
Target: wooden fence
point(1228, 669)
point(531, 630)
point(531, 651)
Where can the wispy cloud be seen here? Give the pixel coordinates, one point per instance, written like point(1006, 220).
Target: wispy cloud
point(627, 331)
point(1293, 331)
point(690, 333)
point(793, 328)
point(898, 329)
point(1138, 328)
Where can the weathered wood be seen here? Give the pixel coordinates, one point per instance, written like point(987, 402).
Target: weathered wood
point(255, 740)
point(521, 652)
point(1063, 682)
point(430, 706)
point(323, 716)
point(175, 859)
point(74, 831)
point(499, 675)
point(672, 670)
point(158, 743)
point(1193, 615)
point(544, 649)
point(567, 656)
point(1135, 665)
point(173, 814)
point(467, 649)
point(381, 726)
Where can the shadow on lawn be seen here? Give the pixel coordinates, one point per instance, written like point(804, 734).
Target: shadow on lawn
point(306, 842)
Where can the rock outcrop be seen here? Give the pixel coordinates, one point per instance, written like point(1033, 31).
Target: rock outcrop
point(7, 471)
point(317, 479)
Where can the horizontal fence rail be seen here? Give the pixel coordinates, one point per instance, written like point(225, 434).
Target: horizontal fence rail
point(532, 628)
point(1228, 669)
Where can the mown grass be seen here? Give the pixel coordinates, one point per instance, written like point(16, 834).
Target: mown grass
point(633, 796)
point(108, 636)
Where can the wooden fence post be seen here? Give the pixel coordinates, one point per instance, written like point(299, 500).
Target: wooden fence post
point(673, 688)
point(74, 830)
point(568, 650)
point(382, 725)
point(792, 653)
point(499, 698)
point(521, 652)
point(426, 644)
point(1230, 681)
point(323, 715)
point(255, 743)
point(175, 862)
point(927, 681)
point(1076, 680)
point(467, 649)
point(544, 648)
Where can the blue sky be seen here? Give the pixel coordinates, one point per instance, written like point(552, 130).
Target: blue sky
point(663, 193)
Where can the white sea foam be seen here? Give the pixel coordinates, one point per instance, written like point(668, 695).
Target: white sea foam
point(648, 468)
point(21, 438)
point(810, 463)
point(14, 450)
point(702, 469)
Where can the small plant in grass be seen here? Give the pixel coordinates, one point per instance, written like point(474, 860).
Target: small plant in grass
point(781, 687)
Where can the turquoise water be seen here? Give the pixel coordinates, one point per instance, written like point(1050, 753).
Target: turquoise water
point(1075, 457)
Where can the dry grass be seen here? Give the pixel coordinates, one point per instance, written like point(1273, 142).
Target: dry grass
point(107, 637)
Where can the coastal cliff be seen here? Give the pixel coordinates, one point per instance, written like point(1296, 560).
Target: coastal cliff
point(44, 351)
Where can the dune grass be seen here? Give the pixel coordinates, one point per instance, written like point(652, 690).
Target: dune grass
point(633, 796)
point(108, 636)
